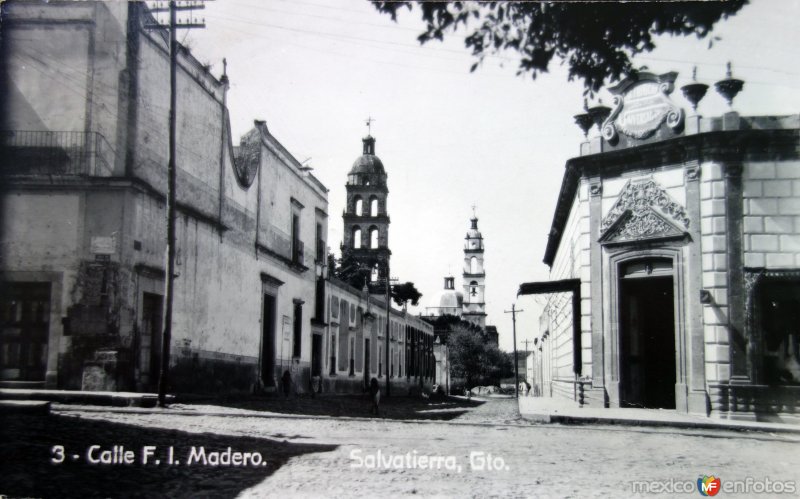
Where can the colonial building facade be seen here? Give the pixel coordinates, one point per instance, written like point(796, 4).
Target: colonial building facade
point(675, 260)
point(83, 158)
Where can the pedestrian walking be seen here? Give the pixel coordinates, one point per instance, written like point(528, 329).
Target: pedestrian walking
point(375, 395)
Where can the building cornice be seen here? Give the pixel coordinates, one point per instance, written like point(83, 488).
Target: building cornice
point(725, 146)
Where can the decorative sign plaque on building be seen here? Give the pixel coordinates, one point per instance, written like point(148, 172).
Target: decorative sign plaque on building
point(641, 106)
point(103, 245)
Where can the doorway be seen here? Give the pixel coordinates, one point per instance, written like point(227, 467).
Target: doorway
point(647, 336)
point(316, 355)
point(24, 330)
point(150, 357)
point(268, 341)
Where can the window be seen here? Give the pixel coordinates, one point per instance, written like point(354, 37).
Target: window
point(473, 288)
point(373, 206)
point(356, 238)
point(780, 322)
point(359, 206)
point(297, 245)
point(473, 265)
point(374, 275)
point(298, 328)
point(320, 244)
point(373, 238)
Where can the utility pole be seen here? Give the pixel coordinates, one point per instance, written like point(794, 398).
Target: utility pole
point(388, 317)
point(514, 313)
point(526, 342)
point(169, 291)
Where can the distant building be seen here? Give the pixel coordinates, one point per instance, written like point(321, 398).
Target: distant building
point(356, 343)
point(674, 255)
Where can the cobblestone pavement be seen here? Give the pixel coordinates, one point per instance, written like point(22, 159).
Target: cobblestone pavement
point(384, 458)
point(495, 410)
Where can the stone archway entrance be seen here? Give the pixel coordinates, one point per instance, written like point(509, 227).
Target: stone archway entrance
point(647, 335)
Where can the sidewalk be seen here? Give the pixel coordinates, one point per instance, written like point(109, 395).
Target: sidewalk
point(113, 399)
point(550, 410)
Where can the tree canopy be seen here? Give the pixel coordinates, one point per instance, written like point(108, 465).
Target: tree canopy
point(475, 360)
point(595, 39)
point(404, 293)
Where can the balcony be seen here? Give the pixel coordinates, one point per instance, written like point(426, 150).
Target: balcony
point(24, 153)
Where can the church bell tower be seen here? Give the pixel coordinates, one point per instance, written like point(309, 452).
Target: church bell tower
point(366, 220)
point(474, 308)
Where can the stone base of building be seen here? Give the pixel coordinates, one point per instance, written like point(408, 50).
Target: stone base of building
point(209, 373)
point(755, 402)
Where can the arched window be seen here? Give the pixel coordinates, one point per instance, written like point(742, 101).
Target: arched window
point(356, 238)
point(374, 275)
point(473, 288)
point(373, 206)
point(473, 265)
point(359, 206)
point(373, 237)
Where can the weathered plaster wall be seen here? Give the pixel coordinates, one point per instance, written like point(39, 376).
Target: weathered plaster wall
point(65, 75)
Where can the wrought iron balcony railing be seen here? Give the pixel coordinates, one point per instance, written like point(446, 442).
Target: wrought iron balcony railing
point(27, 152)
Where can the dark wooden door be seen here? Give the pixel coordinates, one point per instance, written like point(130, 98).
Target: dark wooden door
point(24, 330)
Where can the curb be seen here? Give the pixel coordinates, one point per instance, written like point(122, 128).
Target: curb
point(26, 407)
point(526, 421)
point(104, 399)
point(66, 409)
point(696, 425)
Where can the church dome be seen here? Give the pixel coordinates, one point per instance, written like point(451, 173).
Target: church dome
point(448, 300)
point(368, 163)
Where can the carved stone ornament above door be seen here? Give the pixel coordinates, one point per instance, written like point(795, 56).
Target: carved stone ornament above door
point(643, 211)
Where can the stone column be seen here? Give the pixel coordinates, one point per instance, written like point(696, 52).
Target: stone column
point(691, 395)
point(740, 371)
point(596, 265)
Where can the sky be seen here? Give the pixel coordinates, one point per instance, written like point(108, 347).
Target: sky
point(449, 139)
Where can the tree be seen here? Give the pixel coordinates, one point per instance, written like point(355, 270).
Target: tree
point(595, 39)
point(349, 269)
point(404, 293)
point(467, 355)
